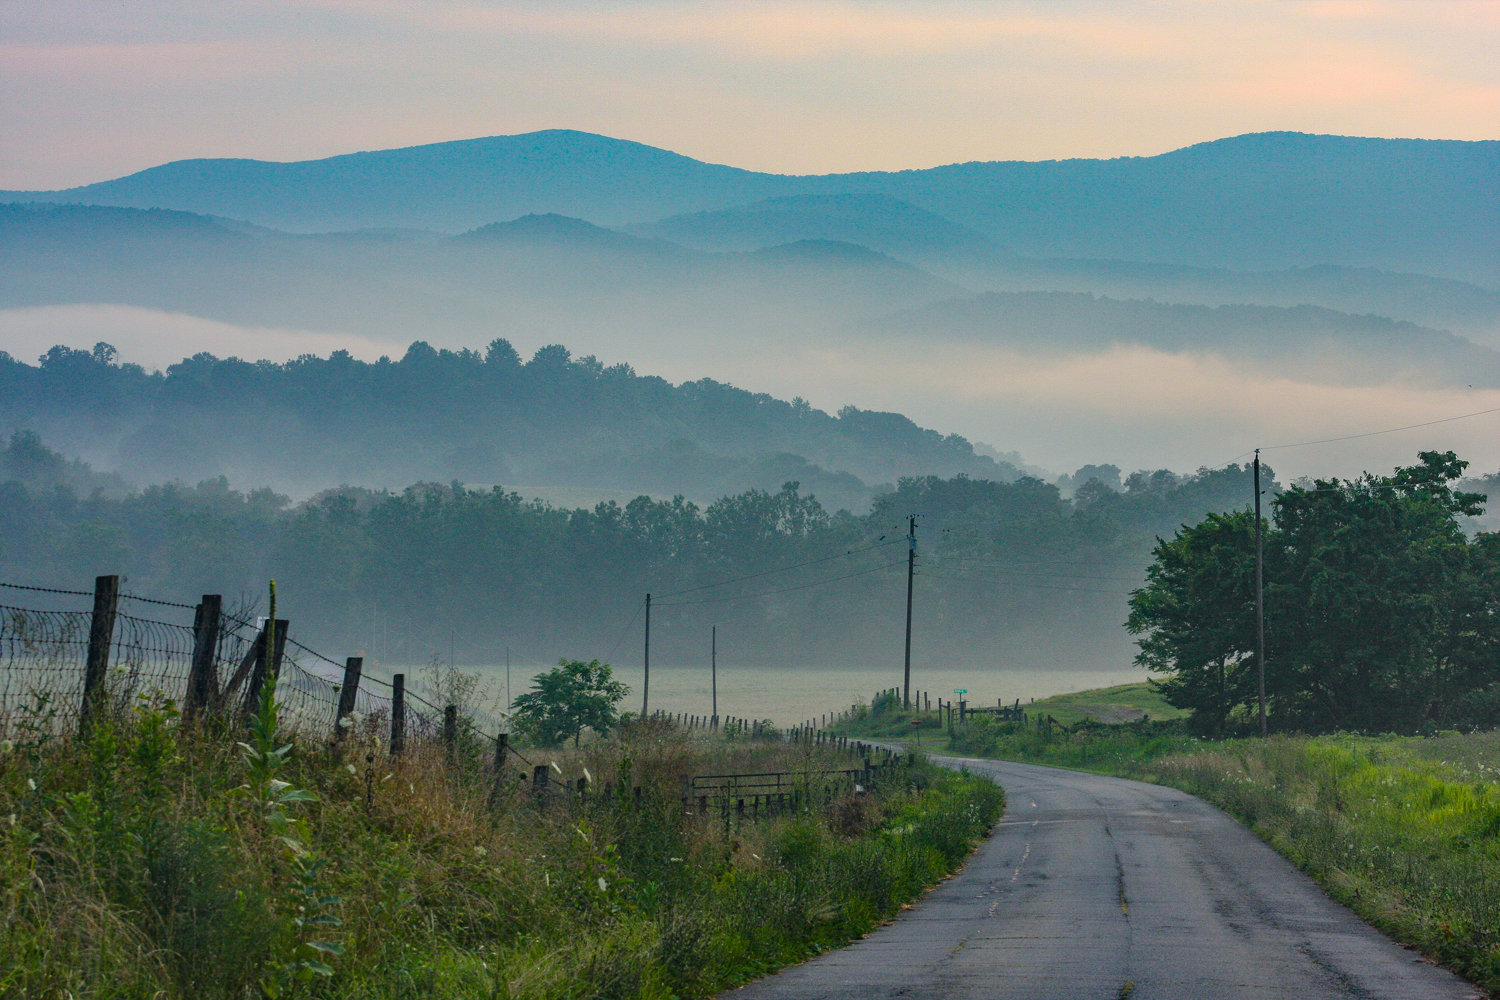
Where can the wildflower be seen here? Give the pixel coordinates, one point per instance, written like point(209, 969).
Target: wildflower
point(603, 885)
point(388, 777)
point(31, 783)
point(350, 769)
point(479, 851)
point(6, 746)
point(588, 777)
point(555, 767)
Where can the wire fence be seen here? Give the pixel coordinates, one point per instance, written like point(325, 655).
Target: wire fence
point(45, 650)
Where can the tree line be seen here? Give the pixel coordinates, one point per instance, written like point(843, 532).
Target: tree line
point(1010, 574)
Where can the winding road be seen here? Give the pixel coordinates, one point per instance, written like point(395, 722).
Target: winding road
point(1095, 887)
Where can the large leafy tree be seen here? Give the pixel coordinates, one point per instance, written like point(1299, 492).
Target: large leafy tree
point(1380, 613)
point(568, 699)
point(1196, 618)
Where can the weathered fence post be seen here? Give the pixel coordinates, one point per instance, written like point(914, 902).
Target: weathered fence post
point(202, 684)
point(398, 714)
point(450, 732)
point(101, 633)
point(502, 745)
point(348, 692)
point(267, 663)
point(539, 783)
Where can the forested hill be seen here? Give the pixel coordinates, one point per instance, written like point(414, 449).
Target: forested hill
point(439, 415)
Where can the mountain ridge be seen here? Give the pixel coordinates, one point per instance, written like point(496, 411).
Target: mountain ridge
point(1258, 201)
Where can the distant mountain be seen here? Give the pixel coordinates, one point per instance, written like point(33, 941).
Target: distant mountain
point(624, 295)
point(564, 276)
point(877, 221)
point(1256, 202)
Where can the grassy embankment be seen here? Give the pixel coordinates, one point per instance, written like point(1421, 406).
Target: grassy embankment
point(155, 860)
point(1405, 830)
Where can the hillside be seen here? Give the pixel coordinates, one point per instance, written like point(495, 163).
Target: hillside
point(314, 423)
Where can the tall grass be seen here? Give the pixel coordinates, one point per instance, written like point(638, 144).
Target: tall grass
point(1404, 830)
point(160, 860)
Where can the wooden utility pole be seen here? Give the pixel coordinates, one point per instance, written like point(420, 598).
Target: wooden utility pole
point(714, 674)
point(646, 685)
point(1260, 604)
point(911, 566)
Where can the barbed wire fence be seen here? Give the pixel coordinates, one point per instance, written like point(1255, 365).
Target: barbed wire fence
point(68, 656)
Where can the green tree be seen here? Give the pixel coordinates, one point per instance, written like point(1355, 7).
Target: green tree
point(1196, 618)
point(1381, 614)
point(568, 699)
point(1372, 605)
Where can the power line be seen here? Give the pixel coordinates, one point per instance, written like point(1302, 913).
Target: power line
point(1006, 568)
point(782, 569)
point(1388, 430)
point(625, 631)
point(1028, 586)
point(784, 590)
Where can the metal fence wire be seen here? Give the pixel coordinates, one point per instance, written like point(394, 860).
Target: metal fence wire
point(44, 654)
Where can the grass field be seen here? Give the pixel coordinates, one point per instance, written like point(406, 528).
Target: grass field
point(1125, 703)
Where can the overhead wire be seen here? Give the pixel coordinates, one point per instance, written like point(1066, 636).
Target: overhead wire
point(784, 590)
point(781, 569)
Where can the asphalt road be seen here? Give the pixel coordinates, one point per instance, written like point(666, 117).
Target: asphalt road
point(1094, 887)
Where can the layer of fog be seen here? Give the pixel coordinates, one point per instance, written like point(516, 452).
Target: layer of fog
point(1131, 406)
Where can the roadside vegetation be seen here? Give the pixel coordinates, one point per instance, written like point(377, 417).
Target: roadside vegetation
point(158, 859)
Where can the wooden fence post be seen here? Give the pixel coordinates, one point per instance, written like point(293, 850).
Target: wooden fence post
point(450, 731)
point(267, 663)
point(348, 691)
point(101, 633)
point(502, 745)
point(539, 782)
point(202, 683)
point(398, 714)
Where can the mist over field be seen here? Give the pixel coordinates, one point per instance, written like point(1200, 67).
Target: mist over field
point(459, 401)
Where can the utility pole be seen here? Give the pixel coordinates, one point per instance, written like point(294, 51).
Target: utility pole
point(911, 565)
point(714, 674)
point(1260, 604)
point(646, 687)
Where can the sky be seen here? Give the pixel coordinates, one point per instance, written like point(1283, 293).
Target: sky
point(91, 90)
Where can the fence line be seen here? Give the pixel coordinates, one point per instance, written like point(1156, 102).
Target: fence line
point(59, 666)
